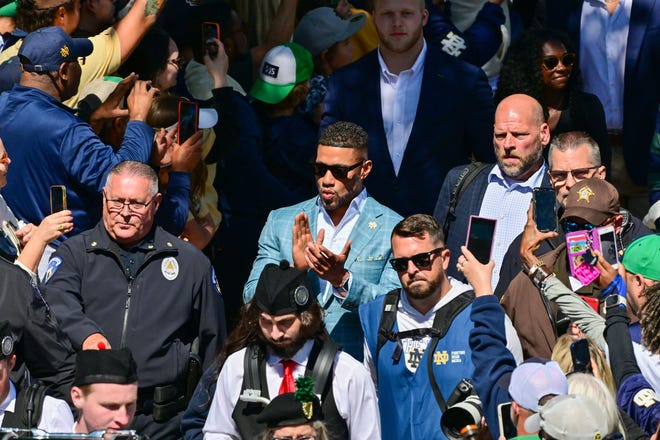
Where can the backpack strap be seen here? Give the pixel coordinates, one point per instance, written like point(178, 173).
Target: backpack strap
point(464, 179)
point(387, 320)
point(28, 407)
point(323, 367)
point(441, 323)
point(251, 367)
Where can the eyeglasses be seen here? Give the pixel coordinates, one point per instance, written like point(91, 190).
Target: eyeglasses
point(578, 174)
point(118, 204)
point(299, 437)
point(422, 260)
point(571, 226)
point(338, 171)
point(552, 61)
point(4, 158)
point(177, 62)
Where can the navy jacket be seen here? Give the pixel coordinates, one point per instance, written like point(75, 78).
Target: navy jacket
point(454, 120)
point(172, 298)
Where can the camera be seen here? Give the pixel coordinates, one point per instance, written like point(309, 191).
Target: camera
point(464, 408)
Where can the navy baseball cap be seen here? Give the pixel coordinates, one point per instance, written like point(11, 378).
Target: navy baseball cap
point(45, 49)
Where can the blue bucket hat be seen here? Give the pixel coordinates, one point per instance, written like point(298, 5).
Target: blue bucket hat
point(45, 49)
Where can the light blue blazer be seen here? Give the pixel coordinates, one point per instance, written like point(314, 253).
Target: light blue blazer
point(371, 274)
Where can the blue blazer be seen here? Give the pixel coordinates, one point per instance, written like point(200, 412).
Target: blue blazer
point(454, 119)
point(641, 77)
point(371, 274)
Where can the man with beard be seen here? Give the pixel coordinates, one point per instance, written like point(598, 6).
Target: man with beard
point(280, 337)
point(339, 237)
point(425, 111)
point(417, 338)
point(503, 191)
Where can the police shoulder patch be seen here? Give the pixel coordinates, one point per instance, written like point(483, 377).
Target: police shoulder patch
point(53, 265)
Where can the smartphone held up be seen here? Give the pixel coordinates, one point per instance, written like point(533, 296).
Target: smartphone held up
point(210, 31)
point(188, 123)
point(57, 198)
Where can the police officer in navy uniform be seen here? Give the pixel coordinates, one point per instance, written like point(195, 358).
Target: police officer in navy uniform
point(27, 407)
point(128, 283)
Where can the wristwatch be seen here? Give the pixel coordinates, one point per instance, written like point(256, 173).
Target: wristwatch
point(539, 273)
point(612, 301)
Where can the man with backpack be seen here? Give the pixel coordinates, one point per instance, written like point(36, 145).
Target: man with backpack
point(281, 337)
point(417, 338)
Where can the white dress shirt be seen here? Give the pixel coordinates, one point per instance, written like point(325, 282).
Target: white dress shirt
point(399, 96)
point(354, 393)
point(603, 42)
point(336, 237)
point(55, 415)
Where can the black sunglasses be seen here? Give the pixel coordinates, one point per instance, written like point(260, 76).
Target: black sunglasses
point(578, 174)
point(552, 61)
point(571, 226)
point(338, 171)
point(422, 260)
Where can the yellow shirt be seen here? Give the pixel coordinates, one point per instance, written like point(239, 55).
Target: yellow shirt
point(366, 39)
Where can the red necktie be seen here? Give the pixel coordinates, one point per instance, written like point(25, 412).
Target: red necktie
point(288, 382)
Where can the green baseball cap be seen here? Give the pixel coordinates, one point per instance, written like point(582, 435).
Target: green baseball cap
point(283, 67)
point(642, 257)
point(8, 9)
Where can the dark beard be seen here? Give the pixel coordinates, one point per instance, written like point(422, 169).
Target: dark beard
point(285, 351)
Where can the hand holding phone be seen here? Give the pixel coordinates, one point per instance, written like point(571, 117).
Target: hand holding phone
point(57, 198)
point(188, 120)
point(210, 31)
point(480, 237)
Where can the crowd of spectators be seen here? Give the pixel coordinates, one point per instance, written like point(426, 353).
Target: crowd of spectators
point(309, 260)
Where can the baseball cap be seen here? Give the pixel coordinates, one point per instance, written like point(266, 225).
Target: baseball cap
point(531, 381)
point(642, 257)
point(570, 417)
point(8, 8)
point(283, 67)
point(593, 200)
point(283, 289)
point(320, 28)
point(105, 366)
point(45, 49)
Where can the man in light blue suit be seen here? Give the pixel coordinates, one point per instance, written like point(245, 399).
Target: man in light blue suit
point(342, 237)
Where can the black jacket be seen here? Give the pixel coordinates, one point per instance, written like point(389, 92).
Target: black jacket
point(172, 298)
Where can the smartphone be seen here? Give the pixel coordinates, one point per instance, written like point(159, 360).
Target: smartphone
point(210, 30)
point(480, 237)
point(57, 198)
point(608, 247)
point(507, 428)
point(581, 356)
point(188, 117)
point(545, 209)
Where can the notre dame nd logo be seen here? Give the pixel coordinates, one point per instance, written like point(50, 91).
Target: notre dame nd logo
point(440, 357)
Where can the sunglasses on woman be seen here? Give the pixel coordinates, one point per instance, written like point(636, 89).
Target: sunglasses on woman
point(551, 62)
